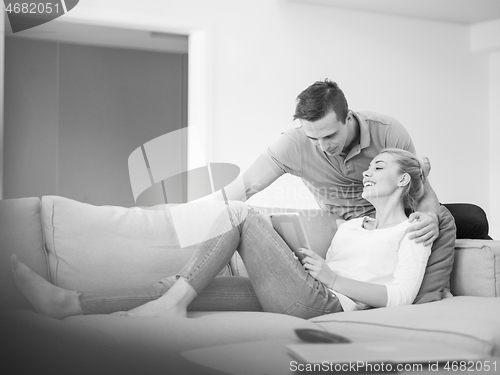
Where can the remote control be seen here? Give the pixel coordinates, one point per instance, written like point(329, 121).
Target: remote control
point(314, 335)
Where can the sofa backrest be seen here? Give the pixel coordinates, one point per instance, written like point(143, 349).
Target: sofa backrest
point(96, 248)
point(476, 271)
point(20, 233)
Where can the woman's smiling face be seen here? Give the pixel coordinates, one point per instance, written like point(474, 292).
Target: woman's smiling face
point(382, 178)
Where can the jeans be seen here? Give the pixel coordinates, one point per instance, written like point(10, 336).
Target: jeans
point(224, 293)
point(279, 283)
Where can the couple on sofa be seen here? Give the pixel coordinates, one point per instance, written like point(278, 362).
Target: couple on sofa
point(372, 262)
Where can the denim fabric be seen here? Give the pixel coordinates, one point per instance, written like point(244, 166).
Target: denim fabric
point(224, 293)
point(279, 279)
point(279, 283)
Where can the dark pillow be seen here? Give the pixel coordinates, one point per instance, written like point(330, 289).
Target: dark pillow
point(436, 281)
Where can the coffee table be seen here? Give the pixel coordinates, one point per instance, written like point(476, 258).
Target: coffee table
point(271, 357)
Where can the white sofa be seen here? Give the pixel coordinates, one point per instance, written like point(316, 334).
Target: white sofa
point(91, 248)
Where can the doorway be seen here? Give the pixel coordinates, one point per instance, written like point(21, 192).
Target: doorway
point(79, 101)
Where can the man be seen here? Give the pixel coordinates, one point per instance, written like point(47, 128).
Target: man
point(329, 152)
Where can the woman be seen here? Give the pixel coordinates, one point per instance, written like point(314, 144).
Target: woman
point(370, 263)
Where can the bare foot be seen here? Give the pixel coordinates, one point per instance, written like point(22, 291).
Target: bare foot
point(155, 309)
point(46, 298)
point(173, 303)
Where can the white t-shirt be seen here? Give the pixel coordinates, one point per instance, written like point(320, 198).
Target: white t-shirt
point(380, 256)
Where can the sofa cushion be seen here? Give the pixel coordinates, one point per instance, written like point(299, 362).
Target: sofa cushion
point(95, 248)
point(476, 271)
point(159, 343)
point(35, 344)
point(20, 233)
point(468, 322)
point(436, 282)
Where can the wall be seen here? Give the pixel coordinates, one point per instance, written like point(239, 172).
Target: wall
point(75, 113)
point(2, 48)
point(258, 55)
point(31, 121)
point(420, 72)
point(494, 159)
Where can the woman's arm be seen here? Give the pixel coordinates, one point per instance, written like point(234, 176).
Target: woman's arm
point(409, 272)
point(372, 294)
point(408, 275)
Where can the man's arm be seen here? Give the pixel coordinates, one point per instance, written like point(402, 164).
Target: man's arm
point(262, 173)
point(426, 227)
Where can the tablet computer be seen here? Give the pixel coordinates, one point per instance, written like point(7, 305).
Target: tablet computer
point(289, 227)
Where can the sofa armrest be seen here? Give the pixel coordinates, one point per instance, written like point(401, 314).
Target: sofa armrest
point(476, 269)
point(21, 233)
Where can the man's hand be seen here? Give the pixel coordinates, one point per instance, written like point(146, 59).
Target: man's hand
point(425, 228)
point(318, 268)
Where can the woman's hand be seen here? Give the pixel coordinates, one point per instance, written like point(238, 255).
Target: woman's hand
point(372, 294)
point(318, 268)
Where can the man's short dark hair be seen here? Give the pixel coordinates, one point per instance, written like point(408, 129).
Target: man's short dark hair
point(320, 99)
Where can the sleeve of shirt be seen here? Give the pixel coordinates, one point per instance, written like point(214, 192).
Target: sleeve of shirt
point(286, 153)
point(398, 137)
point(409, 272)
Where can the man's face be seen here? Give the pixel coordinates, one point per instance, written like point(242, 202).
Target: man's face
point(328, 133)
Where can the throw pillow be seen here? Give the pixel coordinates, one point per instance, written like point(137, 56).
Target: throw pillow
point(436, 282)
point(100, 248)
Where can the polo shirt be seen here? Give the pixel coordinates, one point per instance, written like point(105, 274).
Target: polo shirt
point(337, 182)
